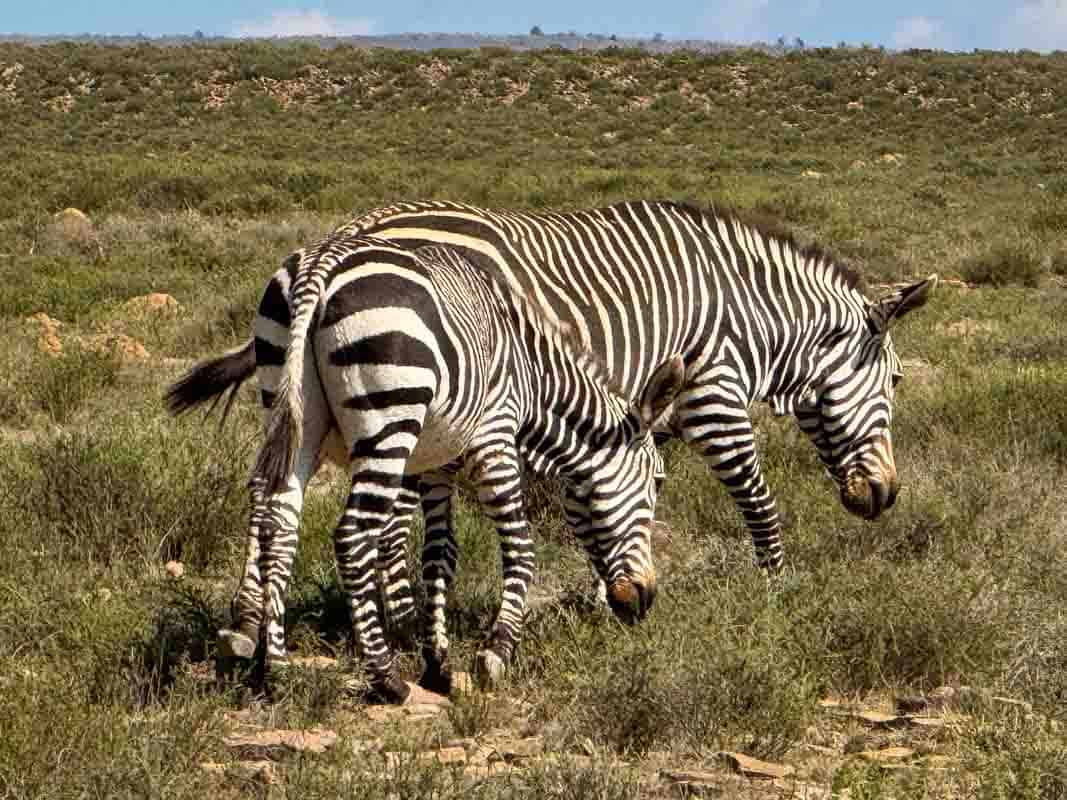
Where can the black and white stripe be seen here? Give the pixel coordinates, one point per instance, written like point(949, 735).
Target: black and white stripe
point(419, 366)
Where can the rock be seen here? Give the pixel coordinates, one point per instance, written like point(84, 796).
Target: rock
point(263, 771)
point(887, 754)
point(811, 174)
point(926, 722)
point(754, 768)
point(858, 164)
point(72, 228)
point(419, 711)
point(891, 158)
point(419, 697)
point(156, 303)
point(263, 743)
point(175, 569)
point(696, 782)
point(879, 719)
point(48, 340)
point(854, 105)
point(123, 347)
point(522, 750)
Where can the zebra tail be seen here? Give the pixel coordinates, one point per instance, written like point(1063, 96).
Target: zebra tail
point(210, 379)
point(285, 426)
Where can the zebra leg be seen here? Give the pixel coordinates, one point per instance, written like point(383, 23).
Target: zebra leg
point(576, 513)
point(713, 419)
point(356, 539)
point(398, 599)
point(498, 477)
point(439, 557)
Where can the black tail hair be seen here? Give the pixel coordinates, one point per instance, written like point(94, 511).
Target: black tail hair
point(209, 380)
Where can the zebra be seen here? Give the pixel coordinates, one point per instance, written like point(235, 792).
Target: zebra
point(426, 366)
point(755, 316)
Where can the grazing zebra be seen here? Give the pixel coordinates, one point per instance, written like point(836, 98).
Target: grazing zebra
point(754, 316)
point(427, 366)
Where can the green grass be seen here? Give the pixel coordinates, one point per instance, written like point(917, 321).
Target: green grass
point(105, 662)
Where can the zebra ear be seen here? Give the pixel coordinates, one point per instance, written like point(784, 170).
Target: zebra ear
point(660, 391)
point(893, 306)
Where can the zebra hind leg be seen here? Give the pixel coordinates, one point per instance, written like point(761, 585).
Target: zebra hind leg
point(398, 599)
point(439, 558)
point(239, 644)
point(356, 546)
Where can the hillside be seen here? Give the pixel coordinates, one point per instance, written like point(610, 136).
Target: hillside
point(146, 194)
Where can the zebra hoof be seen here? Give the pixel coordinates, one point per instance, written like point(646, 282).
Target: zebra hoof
point(437, 678)
point(388, 689)
point(489, 669)
point(234, 645)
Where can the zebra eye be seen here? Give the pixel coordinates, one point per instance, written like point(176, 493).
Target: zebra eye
point(895, 378)
point(659, 483)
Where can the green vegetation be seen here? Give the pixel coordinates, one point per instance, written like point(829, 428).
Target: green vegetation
point(200, 168)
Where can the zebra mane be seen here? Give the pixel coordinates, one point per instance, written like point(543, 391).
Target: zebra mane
point(770, 228)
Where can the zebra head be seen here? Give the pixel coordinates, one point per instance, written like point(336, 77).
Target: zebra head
point(621, 496)
point(848, 408)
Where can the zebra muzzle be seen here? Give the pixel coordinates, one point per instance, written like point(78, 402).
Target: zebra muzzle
point(630, 600)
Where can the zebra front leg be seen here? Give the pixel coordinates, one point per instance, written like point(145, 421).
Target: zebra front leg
point(498, 477)
point(356, 539)
point(714, 420)
point(576, 513)
point(398, 600)
point(439, 557)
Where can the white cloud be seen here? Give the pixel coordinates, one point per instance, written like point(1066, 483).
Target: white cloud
point(1037, 25)
point(303, 22)
point(738, 21)
point(746, 21)
point(918, 32)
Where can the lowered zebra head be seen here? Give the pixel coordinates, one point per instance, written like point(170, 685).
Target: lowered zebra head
point(848, 408)
point(620, 498)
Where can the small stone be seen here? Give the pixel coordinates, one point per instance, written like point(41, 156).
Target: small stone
point(522, 750)
point(926, 722)
point(887, 754)
point(811, 174)
point(419, 697)
point(102, 594)
point(754, 768)
point(858, 164)
point(421, 710)
point(314, 740)
point(830, 702)
point(880, 719)
point(175, 569)
point(155, 303)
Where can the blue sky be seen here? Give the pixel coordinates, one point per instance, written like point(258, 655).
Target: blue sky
point(950, 24)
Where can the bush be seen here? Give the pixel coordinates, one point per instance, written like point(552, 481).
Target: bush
point(1003, 265)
